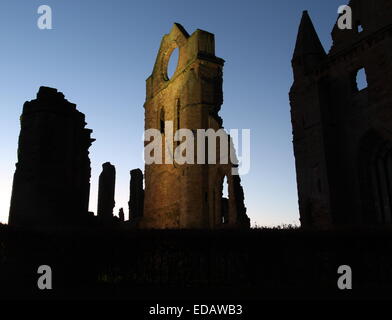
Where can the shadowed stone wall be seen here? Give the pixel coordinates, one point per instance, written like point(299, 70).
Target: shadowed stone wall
point(343, 132)
point(52, 178)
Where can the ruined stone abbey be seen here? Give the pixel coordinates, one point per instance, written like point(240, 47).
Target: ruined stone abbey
point(52, 179)
point(342, 138)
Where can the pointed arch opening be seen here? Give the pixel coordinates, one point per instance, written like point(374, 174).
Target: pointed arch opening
point(224, 201)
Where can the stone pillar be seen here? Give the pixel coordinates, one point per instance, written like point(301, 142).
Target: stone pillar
point(107, 182)
point(136, 195)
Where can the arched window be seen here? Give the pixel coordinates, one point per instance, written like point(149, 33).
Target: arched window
point(360, 80)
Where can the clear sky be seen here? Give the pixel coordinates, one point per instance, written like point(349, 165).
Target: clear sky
point(100, 52)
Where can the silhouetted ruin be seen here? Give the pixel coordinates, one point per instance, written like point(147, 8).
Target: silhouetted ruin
point(342, 130)
point(121, 215)
point(136, 195)
point(106, 191)
point(188, 195)
point(52, 178)
point(343, 153)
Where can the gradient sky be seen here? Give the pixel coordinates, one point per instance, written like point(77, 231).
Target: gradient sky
point(99, 54)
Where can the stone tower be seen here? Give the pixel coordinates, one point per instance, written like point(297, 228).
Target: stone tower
point(106, 192)
point(52, 178)
point(343, 130)
point(188, 195)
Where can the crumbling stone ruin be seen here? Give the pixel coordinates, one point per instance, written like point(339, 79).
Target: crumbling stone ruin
point(189, 195)
point(136, 195)
point(343, 132)
point(106, 191)
point(52, 178)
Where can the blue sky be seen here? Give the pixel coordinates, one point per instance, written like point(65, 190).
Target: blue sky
point(99, 54)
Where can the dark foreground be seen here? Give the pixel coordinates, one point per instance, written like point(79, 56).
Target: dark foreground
point(185, 265)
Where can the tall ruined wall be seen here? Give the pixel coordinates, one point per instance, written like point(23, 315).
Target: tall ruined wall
point(106, 192)
point(343, 133)
point(188, 195)
point(52, 178)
